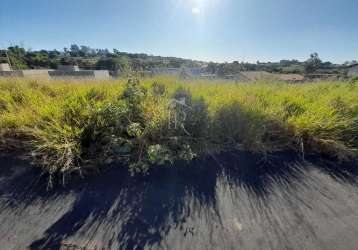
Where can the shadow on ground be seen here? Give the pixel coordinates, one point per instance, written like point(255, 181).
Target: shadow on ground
point(203, 206)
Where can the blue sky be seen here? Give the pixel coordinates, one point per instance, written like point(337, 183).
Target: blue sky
point(213, 30)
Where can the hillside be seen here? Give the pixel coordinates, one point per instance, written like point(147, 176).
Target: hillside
point(126, 63)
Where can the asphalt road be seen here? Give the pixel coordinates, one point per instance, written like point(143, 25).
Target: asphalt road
point(231, 201)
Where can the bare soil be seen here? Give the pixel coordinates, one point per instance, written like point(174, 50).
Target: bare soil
point(230, 201)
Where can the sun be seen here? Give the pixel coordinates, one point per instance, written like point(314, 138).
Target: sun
point(196, 10)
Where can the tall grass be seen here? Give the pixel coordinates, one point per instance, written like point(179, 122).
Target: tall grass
point(78, 126)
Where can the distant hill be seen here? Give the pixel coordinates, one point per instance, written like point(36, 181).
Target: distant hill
point(122, 62)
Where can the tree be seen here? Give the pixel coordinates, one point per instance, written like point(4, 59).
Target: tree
point(211, 68)
point(38, 59)
point(175, 63)
point(67, 61)
point(17, 57)
point(53, 54)
point(74, 50)
point(84, 51)
point(347, 63)
point(116, 65)
point(313, 63)
point(137, 65)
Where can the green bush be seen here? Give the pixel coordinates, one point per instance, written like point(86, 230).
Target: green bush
point(78, 127)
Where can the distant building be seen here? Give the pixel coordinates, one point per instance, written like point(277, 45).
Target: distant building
point(11, 73)
point(73, 72)
point(208, 76)
point(79, 75)
point(30, 73)
point(195, 72)
point(4, 67)
point(64, 72)
point(353, 70)
point(190, 73)
point(68, 68)
point(36, 73)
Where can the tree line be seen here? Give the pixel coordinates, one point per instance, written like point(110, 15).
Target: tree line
point(121, 62)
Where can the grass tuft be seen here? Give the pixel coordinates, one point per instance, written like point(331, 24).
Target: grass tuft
point(78, 126)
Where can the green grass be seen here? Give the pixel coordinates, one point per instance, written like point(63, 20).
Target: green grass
point(78, 126)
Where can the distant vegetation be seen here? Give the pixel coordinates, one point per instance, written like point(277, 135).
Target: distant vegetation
point(129, 63)
point(89, 59)
point(77, 127)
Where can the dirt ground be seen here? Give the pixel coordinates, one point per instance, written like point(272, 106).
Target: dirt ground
point(231, 201)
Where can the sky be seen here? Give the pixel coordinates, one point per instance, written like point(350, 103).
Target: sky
point(210, 30)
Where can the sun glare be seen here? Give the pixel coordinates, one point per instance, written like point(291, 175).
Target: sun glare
point(196, 7)
point(196, 10)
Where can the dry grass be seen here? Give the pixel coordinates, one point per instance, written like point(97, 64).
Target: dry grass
point(71, 126)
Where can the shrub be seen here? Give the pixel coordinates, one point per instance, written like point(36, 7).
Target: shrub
point(158, 90)
point(79, 126)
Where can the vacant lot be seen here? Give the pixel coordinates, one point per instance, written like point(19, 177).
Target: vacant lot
point(69, 127)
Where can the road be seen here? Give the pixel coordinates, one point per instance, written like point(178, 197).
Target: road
point(230, 201)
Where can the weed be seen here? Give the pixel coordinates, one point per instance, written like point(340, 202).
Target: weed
point(79, 126)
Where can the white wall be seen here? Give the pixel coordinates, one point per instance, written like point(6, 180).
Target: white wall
point(4, 67)
point(35, 73)
point(101, 74)
point(353, 71)
point(68, 68)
